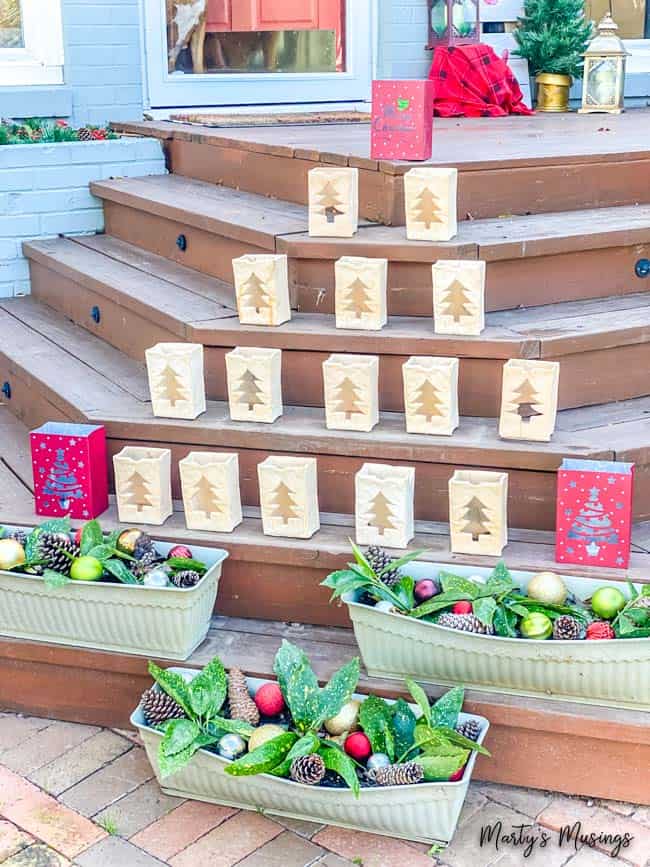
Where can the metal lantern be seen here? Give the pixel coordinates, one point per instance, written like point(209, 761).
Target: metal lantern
point(603, 82)
point(453, 22)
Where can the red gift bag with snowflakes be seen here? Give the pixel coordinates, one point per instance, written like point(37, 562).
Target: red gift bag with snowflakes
point(594, 513)
point(70, 470)
point(402, 120)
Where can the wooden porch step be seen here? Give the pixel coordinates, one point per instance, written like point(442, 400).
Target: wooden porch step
point(67, 373)
point(531, 260)
point(140, 302)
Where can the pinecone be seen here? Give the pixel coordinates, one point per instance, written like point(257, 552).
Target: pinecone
point(144, 564)
point(470, 729)
point(53, 549)
point(19, 535)
point(379, 559)
point(241, 704)
point(641, 601)
point(185, 578)
point(566, 628)
point(84, 134)
point(309, 770)
point(465, 623)
point(397, 775)
point(158, 707)
point(144, 546)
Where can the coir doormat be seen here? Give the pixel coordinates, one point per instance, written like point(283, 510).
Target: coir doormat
point(295, 119)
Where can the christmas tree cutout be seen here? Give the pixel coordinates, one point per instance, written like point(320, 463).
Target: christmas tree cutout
point(249, 391)
point(348, 398)
point(593, 526)
point(205, 499)
point(456, 299)
point(169, 386)
point(137, 492)
point(358, 300)
point(62, 483)
point(526, 398)
point(284, 506)
point(329, 200)
point(427, 208)
point(428, 401)
point(381, 515)
point(254, 295)
point(476, 517)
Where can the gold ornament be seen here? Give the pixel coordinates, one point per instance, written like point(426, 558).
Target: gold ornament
point(346, 720)
point(12, 554)
point(263, 734)
point(128, 539)
point(549, 588)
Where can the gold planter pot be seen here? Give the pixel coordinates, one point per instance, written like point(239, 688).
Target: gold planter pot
point(552, 91)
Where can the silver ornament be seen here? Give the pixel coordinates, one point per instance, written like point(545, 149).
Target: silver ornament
point(156, 578)
point(377, 760)
point(231, 746)
point(384, 605)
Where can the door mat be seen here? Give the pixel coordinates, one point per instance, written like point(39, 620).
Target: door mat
point(296, 119)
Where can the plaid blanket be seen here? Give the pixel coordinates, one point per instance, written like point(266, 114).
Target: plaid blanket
point(472, 81)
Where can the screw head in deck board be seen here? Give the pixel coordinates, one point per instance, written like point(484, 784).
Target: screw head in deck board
point(176, 382)
point(143, 488)
point(254, 383)
point(210, 485)
point(478, 512)
point(333, 202)
point(384, 498)
point(431, 395)
point(430, 203)
point(458, 296)
point(351, 387)
point(289, 496)
point(262, 289)
point(529, 395)
point(360, 296)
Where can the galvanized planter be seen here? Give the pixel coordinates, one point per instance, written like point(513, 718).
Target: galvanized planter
point(427, 812)
point(163, 622)
point(610, 673)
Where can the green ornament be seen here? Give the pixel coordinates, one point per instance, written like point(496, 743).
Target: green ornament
point(537, 626)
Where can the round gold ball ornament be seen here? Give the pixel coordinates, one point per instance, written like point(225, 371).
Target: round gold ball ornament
point(346, 720)
point(128, 539)
point(548, 588)
point(12, 554)
point(263, 734)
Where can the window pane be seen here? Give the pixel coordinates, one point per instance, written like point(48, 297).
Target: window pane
point(11, 32)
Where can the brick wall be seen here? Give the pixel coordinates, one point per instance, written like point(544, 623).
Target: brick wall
point(44, 192)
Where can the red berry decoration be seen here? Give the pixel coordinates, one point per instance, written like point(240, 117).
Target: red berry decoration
point(457, 775)
point(600, 629)
point(181, 551)
point(357, 746)
point(463, 608)
point(269, 700)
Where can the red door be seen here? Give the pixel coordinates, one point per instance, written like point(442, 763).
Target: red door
point(225, 15)
point(218, 16)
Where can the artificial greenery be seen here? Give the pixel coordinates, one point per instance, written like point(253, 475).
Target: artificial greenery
point(34, 130)
point(392, 728)
point(634, 620)
point(552, 35)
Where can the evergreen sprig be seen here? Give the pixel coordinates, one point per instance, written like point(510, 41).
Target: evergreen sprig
point(552, 35)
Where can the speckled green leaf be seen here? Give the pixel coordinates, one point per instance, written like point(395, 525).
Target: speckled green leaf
point(440, 768)
point(445, 711)
point(376, 720)
point(307, 745)
point(171, 764)
point(403, 726)
point(338, 691)
point(178, 736)
point(91, 536)
point(264, 758)
point(173, 684)
point(336, 760)
point(208, 689)
point(420, 698)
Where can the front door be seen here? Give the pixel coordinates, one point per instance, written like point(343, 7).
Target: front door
point(252, 52)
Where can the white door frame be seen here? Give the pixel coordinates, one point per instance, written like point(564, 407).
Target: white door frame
point(241, 89)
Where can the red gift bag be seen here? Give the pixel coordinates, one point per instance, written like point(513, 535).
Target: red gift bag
point(402, 120)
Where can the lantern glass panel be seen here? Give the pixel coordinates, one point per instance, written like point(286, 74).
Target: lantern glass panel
point(603, 77)
point(439, 18)
point(465, 17)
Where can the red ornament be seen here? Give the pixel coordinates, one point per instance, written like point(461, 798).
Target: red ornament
point(463, 607)
point(357, 746)
point(457, 775)
point(600, 629)
point(180, 551)
point(269, 700)
point(98, 134)
point(77, 536)
point(61, 123)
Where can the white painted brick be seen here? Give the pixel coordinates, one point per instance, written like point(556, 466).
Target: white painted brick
point(19, 225)
point(16, 179)
point(66, 223)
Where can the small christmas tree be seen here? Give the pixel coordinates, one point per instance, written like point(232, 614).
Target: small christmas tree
point(476, 517)
point(593, 525)
point(429, 403)
point(456, 300)
point(61, 482)
point(170, 386)
point(526, 398)
point(137, 491)
point(254, 295)
point(348, 398)
point(330, 201)
point(427, 208)
point(381, 515)
point(205, 499)
point(552, 36)
point(249, 391)
point(284, 506)
point(358, 299)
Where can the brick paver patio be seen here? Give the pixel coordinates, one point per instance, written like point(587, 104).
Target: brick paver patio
point(76, 794)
